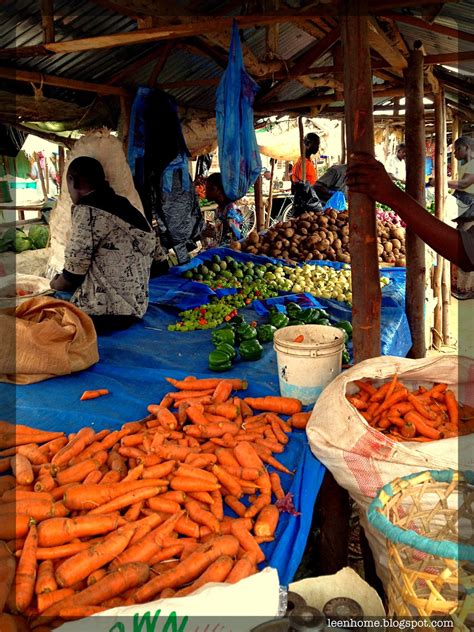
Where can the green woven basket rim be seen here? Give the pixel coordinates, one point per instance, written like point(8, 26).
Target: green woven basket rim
point(444, 549)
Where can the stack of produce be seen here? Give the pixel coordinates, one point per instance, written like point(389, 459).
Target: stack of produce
point(321, 236)
point(421, 415)
point(104, 519)
point(387, 216)
point(16, 240)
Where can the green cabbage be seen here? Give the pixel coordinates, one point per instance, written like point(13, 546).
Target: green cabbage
point(7, 240)
point(22, 242)
point(39, 235)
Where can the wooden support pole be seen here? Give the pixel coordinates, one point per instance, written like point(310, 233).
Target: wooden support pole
point(343, 142)
point(302, 148)
point(440, 199)
point(457, 132)
point(270, 195)
point(41, 175)
point(124, 122)
point(61, 162)
point(47, 20)
point(366, 293)
point(259, 208)
point(415, 186)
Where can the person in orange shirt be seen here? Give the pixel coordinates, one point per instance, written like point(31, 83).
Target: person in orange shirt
point(311, 143)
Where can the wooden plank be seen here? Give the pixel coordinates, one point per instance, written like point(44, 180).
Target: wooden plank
point(160, 64)
point(259, 208)
point(381, 43)
point(366, 293)
point(436, 28)
point(128, 71)
point(268, 216)
point(415, 186)
point(253, 65)
point(171, 31)
point(41, 175)
point(27, 76)
point(304, 62)
point(302, 148)
point(47, 20)
point(382, 5)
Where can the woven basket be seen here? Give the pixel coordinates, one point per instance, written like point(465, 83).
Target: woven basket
point(428, 521)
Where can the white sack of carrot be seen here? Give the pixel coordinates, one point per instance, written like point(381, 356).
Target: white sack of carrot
point(97, 520)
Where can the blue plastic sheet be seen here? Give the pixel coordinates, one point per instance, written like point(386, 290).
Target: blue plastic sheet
point(133, 366)
point(239, 158)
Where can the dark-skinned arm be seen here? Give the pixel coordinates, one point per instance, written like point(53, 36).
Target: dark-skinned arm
point(67, 281)
point(367, 175)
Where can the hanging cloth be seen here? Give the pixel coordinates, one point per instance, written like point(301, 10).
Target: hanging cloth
point(239, 158)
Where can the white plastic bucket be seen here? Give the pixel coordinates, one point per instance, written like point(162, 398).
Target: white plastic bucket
point(306, 368)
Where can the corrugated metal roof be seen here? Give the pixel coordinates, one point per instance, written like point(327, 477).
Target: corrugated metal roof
point(20, 25)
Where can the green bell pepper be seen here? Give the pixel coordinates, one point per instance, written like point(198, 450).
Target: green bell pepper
point(346, 358)
point(237, 320)
point(225, 335)
point(250, 350)
point(309, 316)
point(279, 320)
point(295, 322)
point(219, 361)
point(246, 332)
point(293, 310)
point(228, 349)
point(346, 325)
point(265, 333)
point(322, 321)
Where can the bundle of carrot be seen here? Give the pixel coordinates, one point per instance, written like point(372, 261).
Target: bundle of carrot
point(95, 520)
point(421, 415)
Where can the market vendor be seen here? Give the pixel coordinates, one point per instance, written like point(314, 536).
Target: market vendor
point(228, 222)
point(396, 165)
point(367, 175)
point(464, 185)
point(108, 257)
point(311, 143)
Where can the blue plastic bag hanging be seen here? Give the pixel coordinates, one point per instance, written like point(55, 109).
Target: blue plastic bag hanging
point(337, 201)
point(239, 158)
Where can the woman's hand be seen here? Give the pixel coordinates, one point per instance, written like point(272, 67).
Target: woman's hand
point(367, 175)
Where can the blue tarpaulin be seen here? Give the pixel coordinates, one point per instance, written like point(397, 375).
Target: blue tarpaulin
point(133, 364)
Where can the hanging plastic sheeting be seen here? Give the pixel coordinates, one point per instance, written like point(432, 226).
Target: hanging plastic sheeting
point(239, 158)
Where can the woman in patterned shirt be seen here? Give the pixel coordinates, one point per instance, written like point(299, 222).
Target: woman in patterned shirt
point(108, 257)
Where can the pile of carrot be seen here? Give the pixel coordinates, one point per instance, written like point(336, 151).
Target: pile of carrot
point(421, 415)
point(95, 520)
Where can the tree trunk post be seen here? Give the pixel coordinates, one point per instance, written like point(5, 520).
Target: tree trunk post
point(366, 293)
point(259, 209)
point(270, 195)
point(415, 186)
point(440, 198)
point(302, 149)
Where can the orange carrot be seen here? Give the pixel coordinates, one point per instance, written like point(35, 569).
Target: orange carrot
point(47, 599)
point(299, 338)
point(204, 384)
point(180, 396)
point(189, 569)
point(79, 566)
point(192, 484)
point(83, 438)
point(452, 406)
point(216, 572)
point(282, 405)
point(262, 501)
point(201, 516)
point(270, 460)
point(32, 452)
point(130, 498)
point(85, 497)
point(22, 469)
point(420, 408)
point(77, 473)
point(56, 531)
point(13, 525)
point(408, 430)
point(227, 410)
point(23, 587)
point(242, 568)
point(159, 471)
point(203, 497)
point(7, 573)
point(93, 394)
point(230, 482)
point(235, 504)
point(164, 505)
point(217, 507)
point(398, 396)
point(95, 576)
point(267, 521)
point(246, 539)
point(45, 580)
point(222, 392)
point(247, 456)
point(421, 426)
point(174, 452)
point(64, 550)
point(277, 489)
point(189, 470)
point(110, 477)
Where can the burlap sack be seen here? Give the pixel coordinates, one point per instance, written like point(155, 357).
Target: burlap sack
point(43, 338)
point(361, 458)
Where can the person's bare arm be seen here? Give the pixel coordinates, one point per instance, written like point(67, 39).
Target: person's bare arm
point(367, 175)
point(462, 184)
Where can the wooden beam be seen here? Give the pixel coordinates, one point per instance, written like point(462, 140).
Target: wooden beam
point(272, 41)
point(26, 76)
point(186, 83)
point(141, 36)
point(259, 207)
point(53, 138)
point(467, 114)
point(450, 58)
point(129, 70)
point(160, 64)
point(302, 148)
point(430, 13)
point(305, 61)
point(381, 43)
point(415, 186)
point(366, 294)
point(383, 5)
point(253, 65)
point(436, 28)
point(47, 20)
point(440, 165)
point(312, 29)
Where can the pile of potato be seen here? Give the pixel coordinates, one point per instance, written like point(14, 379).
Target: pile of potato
point(321, 236)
